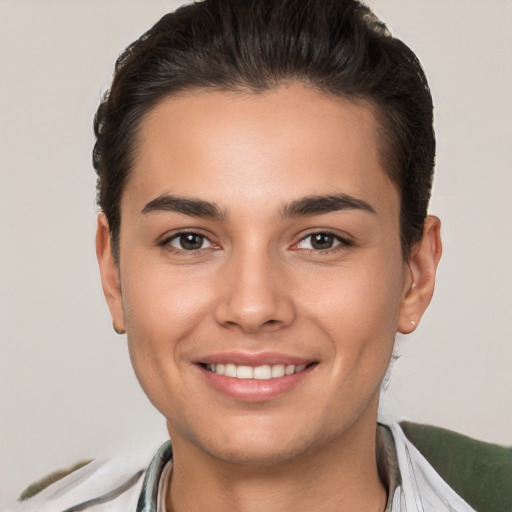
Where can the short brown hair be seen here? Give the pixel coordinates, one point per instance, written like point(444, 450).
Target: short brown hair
point(338, 47)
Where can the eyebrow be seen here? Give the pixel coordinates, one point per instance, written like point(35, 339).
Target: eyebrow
point(185, 205)
point(304, 207)
point(319, 205)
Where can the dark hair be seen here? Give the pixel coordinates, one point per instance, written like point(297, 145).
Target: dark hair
point(338, 47)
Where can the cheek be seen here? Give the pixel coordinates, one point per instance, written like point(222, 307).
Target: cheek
point(163, 300)
point(365, 296)
point(358, 305)
point(162, 310)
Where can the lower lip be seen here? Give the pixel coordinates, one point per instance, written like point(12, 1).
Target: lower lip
point(255, 390)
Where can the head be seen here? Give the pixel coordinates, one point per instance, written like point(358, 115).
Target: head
point(337, 47)
point(264, 172)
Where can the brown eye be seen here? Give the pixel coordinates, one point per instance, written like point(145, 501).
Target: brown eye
point(189, 241)
point(321, 242)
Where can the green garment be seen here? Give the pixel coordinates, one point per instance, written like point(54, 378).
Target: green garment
point(479, 472)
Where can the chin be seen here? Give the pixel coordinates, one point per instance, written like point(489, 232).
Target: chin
point(258, 454)
point(260, 444)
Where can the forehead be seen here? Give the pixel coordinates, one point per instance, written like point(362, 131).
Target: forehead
point(262, 149)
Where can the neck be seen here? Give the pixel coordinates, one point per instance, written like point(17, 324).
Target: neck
point(340, 475)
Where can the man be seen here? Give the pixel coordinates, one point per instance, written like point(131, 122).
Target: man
point(264, 170)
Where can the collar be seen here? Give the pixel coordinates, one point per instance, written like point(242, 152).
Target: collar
point(387, 463)
point(148, 498)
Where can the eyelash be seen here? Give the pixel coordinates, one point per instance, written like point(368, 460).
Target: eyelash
point(167, 243)
point(342, 243)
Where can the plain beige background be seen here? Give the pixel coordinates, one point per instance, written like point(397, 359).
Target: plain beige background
point(66, 387)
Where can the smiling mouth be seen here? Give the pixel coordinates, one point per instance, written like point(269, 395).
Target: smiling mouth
point(263, 372)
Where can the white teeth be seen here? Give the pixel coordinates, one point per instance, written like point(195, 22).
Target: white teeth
point(263, 372)
point(244, 372)
point(278, 370)
point(289, 369)
point(230, 370)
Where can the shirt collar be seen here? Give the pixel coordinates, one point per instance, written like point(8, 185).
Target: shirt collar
point(148, 498)
point(387, 463)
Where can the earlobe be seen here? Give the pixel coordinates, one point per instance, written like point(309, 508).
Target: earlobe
point(423, 261)
point(109, 273)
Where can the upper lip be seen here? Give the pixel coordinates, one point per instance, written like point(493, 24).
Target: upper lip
point(253, 359)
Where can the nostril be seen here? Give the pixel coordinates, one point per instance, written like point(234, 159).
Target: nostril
point(251, 310)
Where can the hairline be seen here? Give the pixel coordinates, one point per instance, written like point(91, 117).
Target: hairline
point(377, 111)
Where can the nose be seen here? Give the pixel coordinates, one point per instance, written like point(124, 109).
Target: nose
point(254, 294)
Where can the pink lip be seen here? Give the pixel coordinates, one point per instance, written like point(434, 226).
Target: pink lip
point(254, 390)
point(253, 359)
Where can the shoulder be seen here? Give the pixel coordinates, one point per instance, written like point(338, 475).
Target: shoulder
point(481, 473)
point(111, 482)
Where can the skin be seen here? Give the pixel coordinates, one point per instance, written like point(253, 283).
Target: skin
point(258, 284)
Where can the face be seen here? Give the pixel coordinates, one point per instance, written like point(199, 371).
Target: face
point(261, 274)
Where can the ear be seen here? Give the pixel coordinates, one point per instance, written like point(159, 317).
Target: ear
point(422, 265)
point(109, 273)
